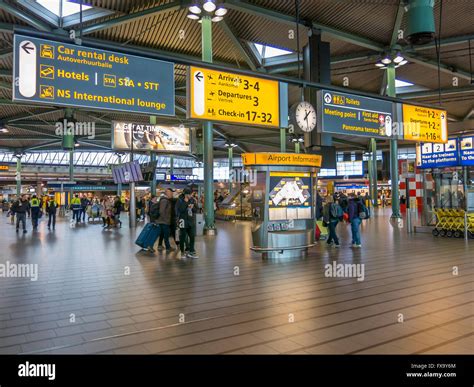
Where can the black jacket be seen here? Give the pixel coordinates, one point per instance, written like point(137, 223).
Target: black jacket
point(51, 208)
point(183, 212)
point(154, 212)
point(20, 207)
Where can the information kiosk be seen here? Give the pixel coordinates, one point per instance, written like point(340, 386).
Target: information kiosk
point(283, 202)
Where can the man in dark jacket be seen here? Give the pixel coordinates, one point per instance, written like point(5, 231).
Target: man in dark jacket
point(164, 220)
point(186, 208)
point(354, 219)
point(84, 203)
point(51, 208)
point(35, 207)
point(21, 207)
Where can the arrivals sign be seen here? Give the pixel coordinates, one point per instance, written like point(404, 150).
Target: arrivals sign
point(61, 74)
point(425, 124)
point(3, 167)
point(147, 137)
point(466, 150)
point(350, 114)
point(281, 158)
point(221, 96)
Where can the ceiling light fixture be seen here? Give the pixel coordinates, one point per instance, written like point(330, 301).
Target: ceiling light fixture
point(209, 8)
point(394, 58)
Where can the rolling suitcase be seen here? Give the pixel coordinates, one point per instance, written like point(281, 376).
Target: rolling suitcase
point(148, 236)
point(321, 231)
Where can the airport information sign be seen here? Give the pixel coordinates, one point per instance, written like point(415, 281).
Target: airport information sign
point(466, 150)
point(436, 155)
point(424, 124)
point(221, 96)
point(350, 114)
point(61, 74)
point(264, 158)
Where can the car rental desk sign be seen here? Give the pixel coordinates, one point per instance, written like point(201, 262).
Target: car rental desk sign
point(60, 74)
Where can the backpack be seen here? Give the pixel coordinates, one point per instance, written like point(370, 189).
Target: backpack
point(336, 211)
point(363, 211)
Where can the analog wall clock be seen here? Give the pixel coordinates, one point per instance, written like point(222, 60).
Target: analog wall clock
point(303, 116)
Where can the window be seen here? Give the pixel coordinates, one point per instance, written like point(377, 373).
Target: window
point(69, 7)
point(270, 52)
point(400, 83)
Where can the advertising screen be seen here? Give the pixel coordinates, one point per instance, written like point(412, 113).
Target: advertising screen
point(158, 138)
point(289, 196)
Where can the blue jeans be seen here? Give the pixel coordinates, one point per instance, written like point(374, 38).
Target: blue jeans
point(355, 228)
point(332, 232)
point(76, 215)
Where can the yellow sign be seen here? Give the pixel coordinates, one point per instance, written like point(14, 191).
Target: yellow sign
point(281, 158)
point(425, 124)
point(47, 51)
point(47, 71)
point(290, 174)
point(219, 96)
point(47, 92)
point(3, 167)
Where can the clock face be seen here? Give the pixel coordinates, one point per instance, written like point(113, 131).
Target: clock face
point(305, 116)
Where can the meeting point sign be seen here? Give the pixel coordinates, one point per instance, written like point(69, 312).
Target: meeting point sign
point(61, 74)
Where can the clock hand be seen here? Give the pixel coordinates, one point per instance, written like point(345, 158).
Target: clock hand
point(307, 114)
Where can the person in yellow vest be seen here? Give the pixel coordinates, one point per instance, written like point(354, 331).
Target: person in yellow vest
point(76, 208)
point(51, 208)
point(35, 205)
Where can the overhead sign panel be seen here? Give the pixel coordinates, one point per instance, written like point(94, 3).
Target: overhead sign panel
point(436, 155)
point(149, 137)
point(425, 124)
point(281, 158)
point(466, 150)
point(350, 114)
point(221, 96)
point(57, 73)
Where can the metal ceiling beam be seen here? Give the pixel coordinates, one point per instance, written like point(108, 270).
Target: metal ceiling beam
point(171, 6)
point(453, 40)
point(398, 23)
point(26, 115)
point(29, 138)
point(434, 93)
point(351, 143)
point(39, 25)
point(231, 34)
point(40, 11)
point(227, 138)
point(46, 144)
point(5, 85)
point(6, 27)
point(94, 144)
point(243, 6)
point(36, 131)
point(433, 64)
point(468, 115)
point(87, 16)
point(6, 73)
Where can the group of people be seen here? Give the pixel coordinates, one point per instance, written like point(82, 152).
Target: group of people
point(107, 208)
point(171, 214)
point(339, 208)
point(33, 208)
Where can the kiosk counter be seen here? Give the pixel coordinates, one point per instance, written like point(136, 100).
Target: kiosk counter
point(283, 202)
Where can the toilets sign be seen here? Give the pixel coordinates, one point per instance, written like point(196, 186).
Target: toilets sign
point(60, 74)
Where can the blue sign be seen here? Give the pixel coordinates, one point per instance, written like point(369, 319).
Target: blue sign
point(466, 150)
point(434, 155)
point(61, 74)
point(350, 114)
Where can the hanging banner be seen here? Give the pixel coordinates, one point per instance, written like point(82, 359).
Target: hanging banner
point(221, 96)
point(424, 124)
point(434, 155)
point(60, 74)
point(147, 137)
point(466, 150)
point(350, 114)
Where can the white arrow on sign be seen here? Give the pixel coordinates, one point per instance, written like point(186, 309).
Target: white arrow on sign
point(327, 98)
point(27, 69)
point(199, 98)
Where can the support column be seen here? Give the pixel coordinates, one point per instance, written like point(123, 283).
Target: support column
point(297, 147)
point(391, 92)
point(119, 185)
point(71, 172)
point(18, 176)
point(132, 212)
point(373, 161)
point(231, 156)
point(153, 180)
point(172, 168)
point(209, 227)
point(282, 140)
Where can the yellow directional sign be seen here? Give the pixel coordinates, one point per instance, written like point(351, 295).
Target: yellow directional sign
point(220, 96)
point(281, 158)
point(425, 124)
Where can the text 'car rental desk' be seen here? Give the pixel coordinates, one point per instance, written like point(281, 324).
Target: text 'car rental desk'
point(283, 201)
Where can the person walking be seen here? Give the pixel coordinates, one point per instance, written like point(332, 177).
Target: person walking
point(35, 206)
point(164, 220)
point(76, 208)
point(154, 214)
point(332, 215)
point(355, 220)
point(51, 209)
point(20, 208)
point(117, 210)
point(84, 204)
point(186, 209)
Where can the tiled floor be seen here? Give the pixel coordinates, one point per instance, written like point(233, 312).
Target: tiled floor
point(84, 300)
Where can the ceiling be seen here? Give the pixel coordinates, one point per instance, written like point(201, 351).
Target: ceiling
point(357, 30)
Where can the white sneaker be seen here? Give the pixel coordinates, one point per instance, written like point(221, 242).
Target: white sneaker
point(358, 246)
point(336, 246)
point(192, 255)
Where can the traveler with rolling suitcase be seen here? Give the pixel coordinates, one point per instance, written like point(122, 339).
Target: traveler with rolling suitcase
point(150, 233)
